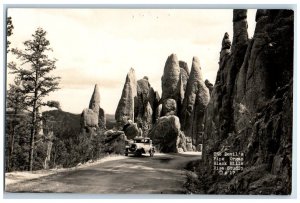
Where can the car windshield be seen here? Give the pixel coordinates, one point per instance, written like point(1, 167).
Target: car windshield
point(137, 141)
point(142, 141)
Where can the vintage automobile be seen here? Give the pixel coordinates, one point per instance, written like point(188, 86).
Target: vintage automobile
point(139, 146)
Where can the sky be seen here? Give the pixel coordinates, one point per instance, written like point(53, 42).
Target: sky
point(99, 46)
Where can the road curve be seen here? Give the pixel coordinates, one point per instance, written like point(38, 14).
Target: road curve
point(161, 174)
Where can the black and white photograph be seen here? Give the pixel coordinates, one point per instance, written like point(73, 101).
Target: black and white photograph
point(185, 101)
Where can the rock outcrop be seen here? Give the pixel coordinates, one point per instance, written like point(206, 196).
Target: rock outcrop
point(89, 119)
point(102, 119)
point(184, 73)
point(154, 102)
point(189, 144)
point(169, 107)
point(158, 111)
point(147, 102)
point(143, 96)
point(173, 82)
point(194, 105)
point(94, 116)
point(147, 119)
point(209, 86)
point(125, 109)
point(250, 110)
point(166, 134)
point(114, 142)
point(138, 104)
point(220, 109)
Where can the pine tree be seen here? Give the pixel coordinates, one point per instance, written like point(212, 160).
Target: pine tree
point(35, 80)
point(9, 31)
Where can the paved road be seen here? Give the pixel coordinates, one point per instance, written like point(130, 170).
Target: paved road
point(161, 174)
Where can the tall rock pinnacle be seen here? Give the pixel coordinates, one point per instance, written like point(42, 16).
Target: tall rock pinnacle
point(125, 109)
point(240, 27)
point(194, 104)
point(226, 45)
point(95, 100)
point(94, 116)
point(170, 78)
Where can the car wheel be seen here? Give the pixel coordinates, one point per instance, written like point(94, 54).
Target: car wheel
point(126, 154)
point(138, 153)
point(151, 153)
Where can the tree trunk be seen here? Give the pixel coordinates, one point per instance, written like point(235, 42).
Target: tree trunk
point(32, 135)
point(11, 142)
point(49, 148)
point(11, 149)
point(33, 120)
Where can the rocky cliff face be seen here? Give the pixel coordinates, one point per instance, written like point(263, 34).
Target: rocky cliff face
point(251, 105)
point(94, 116)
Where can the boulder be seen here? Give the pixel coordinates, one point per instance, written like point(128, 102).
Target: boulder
point(166, 134)
point(131, 130)
point(89, 118)
point(114, 142)
point(169, 107)
point(112, 134)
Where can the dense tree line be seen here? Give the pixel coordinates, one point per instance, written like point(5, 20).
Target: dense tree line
point(69, 146)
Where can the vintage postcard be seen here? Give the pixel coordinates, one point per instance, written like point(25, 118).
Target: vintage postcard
point(149, 101)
